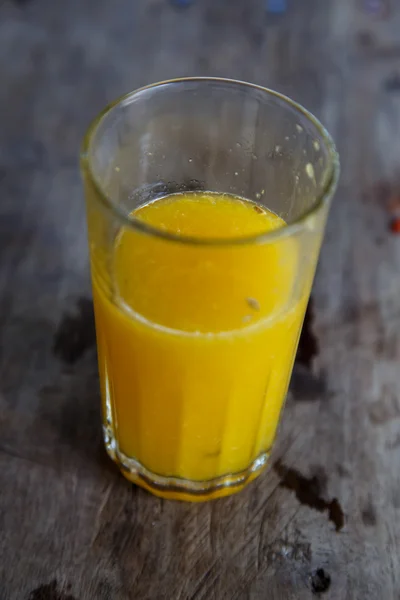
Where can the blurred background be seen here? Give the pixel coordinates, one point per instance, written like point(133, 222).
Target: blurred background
point(61, 61)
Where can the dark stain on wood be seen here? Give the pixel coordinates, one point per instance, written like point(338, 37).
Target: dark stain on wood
point(342, 471)
point(76, 333)
point(308, 344)
point(368, 514)
point(305, 386)
point(392, 83)
point(49, 591)
point(319, 474)
point(308, 491)
point(365, 40)
point(71, 409)
point(336, 514)
point(320, 581)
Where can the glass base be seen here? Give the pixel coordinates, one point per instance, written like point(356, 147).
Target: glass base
point(174, 488)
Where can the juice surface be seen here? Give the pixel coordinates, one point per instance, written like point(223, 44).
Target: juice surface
point(196, 341)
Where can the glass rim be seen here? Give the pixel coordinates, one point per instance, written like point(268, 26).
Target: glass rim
point(328, 187)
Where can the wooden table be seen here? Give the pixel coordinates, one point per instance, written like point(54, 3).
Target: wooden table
point(325, 519)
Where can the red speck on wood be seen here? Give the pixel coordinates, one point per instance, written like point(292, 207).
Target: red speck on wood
point(395, 225)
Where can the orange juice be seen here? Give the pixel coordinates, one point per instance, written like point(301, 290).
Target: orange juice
point(197, 340)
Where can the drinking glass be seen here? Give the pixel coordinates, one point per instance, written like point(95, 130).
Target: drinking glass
point(191, 412)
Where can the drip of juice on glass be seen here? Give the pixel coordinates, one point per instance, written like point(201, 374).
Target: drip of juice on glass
point(197, 341)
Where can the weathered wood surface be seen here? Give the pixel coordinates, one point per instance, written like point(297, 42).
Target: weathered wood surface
point(325, 519)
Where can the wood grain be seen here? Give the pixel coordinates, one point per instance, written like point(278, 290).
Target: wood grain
point(71, 527)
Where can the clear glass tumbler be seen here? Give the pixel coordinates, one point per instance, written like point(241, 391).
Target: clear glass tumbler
point(191, 411)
